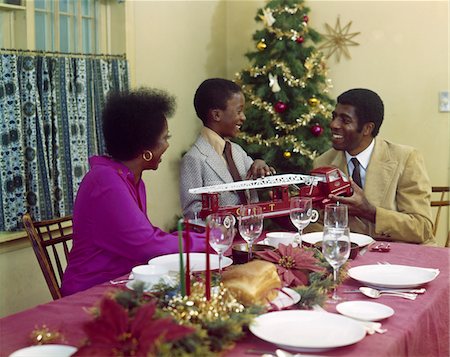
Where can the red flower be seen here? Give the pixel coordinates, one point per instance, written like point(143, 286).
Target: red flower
point(293, 264)
point(115, 333)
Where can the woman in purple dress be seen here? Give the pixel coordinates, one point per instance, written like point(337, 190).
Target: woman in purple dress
point(112, 232)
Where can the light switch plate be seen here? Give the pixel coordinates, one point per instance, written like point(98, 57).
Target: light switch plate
point(444, 102)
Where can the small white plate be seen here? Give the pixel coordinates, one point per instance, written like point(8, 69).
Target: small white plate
point(149, 286)
point(365, 310)
point(45, 350)
point(392, 275)
point(308, 331)
point(286, 297)
point(361, 239)
point(197, 261)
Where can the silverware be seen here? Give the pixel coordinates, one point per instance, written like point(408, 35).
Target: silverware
point(414, 291)
point(375, 294)
point(115, 282)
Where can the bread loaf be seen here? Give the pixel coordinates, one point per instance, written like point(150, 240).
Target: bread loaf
point(256, 282)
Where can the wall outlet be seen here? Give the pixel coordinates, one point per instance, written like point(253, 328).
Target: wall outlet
point(444, 102)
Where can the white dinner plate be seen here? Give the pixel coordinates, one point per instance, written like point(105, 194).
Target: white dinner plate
point(361, 239)
point(197, 261)
point(307, 331)
point(392, 276)
point(285, 298)
point(365, 310)
point(45, 350)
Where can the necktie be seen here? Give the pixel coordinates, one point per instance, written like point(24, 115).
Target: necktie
point(356, 175)
point(233, 170)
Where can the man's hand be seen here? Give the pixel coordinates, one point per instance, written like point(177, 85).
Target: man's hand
point(259, 168)
point(357, 203)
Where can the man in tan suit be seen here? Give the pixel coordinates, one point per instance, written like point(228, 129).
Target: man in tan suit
point(391, 199)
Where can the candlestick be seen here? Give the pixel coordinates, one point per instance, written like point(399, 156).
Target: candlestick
point(208, 267)
point(180, 248)
point(188, 259)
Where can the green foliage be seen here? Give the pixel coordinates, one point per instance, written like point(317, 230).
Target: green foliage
point(286, 49)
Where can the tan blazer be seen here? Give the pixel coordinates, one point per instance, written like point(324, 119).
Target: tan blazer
point(397, 184)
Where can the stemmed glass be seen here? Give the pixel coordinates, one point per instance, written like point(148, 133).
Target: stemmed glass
point(335, 215)
point(301, 212)
point(250, 225)
point(336, 250)
point(221, 233)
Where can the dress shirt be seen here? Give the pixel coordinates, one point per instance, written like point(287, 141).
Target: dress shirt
point(215, 140)
point(363, 158)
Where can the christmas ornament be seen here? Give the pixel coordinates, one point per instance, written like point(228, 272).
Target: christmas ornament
point(338, 39)
point(280, 107)
point(43, 335)
point(316, 130)
point(313, 101)
point(300, 39)
point(267, 17)
point(261, 45)
point(273, 83)
point(287, 154)
point(305, 18)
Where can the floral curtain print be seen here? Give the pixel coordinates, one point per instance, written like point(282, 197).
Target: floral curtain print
point(50, 109)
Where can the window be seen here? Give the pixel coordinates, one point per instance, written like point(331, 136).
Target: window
point(66, 25)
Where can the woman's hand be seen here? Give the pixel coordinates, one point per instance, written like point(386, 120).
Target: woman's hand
point(259, 168)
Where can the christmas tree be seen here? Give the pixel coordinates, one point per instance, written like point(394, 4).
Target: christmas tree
point(287, 91)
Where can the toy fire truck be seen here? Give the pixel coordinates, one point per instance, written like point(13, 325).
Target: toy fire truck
point(322, 182)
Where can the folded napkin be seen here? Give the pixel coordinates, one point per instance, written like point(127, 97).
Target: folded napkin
point(370, 326)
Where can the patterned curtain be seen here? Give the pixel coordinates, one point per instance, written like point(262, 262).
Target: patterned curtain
point(50, 109)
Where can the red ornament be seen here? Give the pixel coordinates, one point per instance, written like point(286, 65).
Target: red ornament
point(299, 39)
point(316, 130)
point(280, 107)
point(305, 18)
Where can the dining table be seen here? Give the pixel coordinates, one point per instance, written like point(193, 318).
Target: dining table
point(418, 327)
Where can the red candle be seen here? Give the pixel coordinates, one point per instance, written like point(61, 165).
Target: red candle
point(208, 267)
point(188, 263)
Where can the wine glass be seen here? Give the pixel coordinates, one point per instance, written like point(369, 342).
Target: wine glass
point(301, 212)
point(250, 225)
point(335, 215)
point(336, 250)
point(221, 233)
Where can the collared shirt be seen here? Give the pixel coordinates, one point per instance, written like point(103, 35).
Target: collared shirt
point(215, 140)
point(363, 158)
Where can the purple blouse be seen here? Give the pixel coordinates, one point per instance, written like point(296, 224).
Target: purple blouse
point(111, 230)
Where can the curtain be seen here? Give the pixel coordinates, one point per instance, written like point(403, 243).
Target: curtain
point(50, 123)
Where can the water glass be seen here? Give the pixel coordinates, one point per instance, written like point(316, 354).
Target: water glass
point(250, 225)
point(336, 250)
point(221, 233)
point(300, 213)
point(335, 215)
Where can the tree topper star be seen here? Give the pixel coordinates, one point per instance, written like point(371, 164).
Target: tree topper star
point(338, 39)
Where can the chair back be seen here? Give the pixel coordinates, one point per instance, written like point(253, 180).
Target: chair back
point(49, 240)
point(439, 203)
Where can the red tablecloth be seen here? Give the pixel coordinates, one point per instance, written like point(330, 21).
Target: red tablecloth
point(418, 328)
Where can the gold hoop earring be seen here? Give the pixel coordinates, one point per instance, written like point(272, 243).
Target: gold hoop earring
point(147, 155)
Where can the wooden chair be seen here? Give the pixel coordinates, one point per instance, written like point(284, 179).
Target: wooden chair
point(50, 240)
point(439, 203)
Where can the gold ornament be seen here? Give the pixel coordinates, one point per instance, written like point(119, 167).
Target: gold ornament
point(195, 309)
point(313, 101)
point(287, 154)
point(338, 39)
point(261, 45)
point(43, 335)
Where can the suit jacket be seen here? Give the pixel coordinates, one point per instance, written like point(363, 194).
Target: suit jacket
point(398, 186)
point(201, 166)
